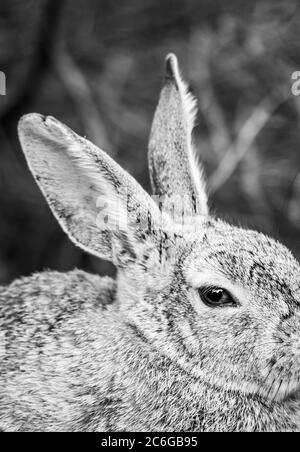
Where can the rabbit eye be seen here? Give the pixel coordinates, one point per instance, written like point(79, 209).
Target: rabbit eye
point(215, 296)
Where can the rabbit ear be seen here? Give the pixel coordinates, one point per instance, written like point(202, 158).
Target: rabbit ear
point(173, 166)
point(97, 203)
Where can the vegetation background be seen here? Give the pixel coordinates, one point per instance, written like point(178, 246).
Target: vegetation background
point(97, 65)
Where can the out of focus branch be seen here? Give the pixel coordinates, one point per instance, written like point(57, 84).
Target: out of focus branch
point(244, 141)
point(208, 45)
point(214, 117)
point(80, 93)
point(293, 210)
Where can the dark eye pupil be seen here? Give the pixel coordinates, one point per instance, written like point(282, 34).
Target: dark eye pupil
point(216, 297)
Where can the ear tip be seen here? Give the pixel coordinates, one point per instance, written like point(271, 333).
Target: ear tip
point(171, 71)
point(36, 119)
point(29, 119)
point(40, 125)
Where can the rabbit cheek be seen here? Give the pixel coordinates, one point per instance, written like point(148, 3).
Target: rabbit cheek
point(287, 367)
point(279, 359)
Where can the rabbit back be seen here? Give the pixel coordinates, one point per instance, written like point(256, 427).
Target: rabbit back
point(51, 326)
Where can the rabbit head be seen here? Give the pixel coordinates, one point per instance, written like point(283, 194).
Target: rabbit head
point(221, 302)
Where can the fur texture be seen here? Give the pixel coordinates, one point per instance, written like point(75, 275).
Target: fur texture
point(144, 352)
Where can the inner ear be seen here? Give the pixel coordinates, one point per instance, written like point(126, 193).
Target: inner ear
point(91, 196)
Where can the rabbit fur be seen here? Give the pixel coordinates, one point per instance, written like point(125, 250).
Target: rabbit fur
point(144, 352)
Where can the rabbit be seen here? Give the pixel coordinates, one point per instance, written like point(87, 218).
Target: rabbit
point(199, 331)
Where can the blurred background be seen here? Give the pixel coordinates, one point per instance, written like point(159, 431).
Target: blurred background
point(97, 65)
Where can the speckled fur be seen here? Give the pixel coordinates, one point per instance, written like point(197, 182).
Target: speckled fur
point(143, 352)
